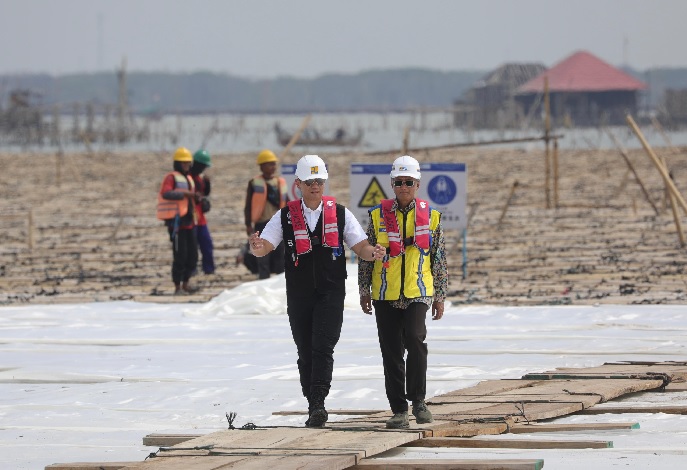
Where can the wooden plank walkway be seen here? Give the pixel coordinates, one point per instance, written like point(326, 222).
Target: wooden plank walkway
point(490, 407)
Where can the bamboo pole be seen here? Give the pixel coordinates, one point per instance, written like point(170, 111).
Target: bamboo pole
point(406, 138)
point(508, 201)
point(295, 136)
point(555, 172)
point(674, 193)
point(29, 238)
point(58, 167)
point(657, 125)
point(465, 144)
point(657, 162)
point(547, 132)
point(678, 223)
point(632, 169)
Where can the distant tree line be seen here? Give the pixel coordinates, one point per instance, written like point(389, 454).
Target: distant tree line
point(208, 92)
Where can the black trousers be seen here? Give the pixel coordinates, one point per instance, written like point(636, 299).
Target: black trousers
point(185, 248)
point(316, 321)
point(272, 262)
point(401, 330)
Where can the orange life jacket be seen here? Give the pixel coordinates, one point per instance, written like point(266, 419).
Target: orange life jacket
point(259, 199)
point(167, 208)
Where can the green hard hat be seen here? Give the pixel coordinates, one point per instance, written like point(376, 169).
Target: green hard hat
point(202, 156)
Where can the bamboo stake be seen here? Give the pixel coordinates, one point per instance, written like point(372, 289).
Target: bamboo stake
point(659, 128)
point(547, 131)
point(58, 168)
point(406, 138)
point(295, 136)
point(674, 193)
point(555, 173)
point(510, 198)
point(678, 223)
point(657, 162)
point(29, 238)
point(463, 144)
point(632, 168)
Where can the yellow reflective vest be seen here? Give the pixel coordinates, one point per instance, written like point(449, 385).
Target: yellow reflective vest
point(413, 267)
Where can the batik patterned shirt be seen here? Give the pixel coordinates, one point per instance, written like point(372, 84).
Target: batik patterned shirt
point(437, 256)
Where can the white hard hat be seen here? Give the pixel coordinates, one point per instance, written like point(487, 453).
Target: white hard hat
point(405, 166)
point(310, 167)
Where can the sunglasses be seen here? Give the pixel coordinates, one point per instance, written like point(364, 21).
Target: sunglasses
point(399, 183)
point(319, 181)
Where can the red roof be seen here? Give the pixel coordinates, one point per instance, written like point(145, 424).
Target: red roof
point(582, 72)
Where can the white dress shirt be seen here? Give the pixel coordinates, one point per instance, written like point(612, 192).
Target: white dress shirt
point(353, 232)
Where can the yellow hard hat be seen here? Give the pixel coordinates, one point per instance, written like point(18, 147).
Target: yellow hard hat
point(182, 154)
point(266, 156)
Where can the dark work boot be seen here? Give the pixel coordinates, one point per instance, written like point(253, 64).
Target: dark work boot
point(421, 413)
point(398, 421)
point(317, 414)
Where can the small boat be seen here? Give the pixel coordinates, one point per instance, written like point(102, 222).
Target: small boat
point(313, 138)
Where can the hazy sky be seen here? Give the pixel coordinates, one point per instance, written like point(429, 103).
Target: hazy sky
point(306, 38)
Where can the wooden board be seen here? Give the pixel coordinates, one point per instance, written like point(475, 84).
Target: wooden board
point(452, 464)
point(330, 412)
point(474, 442)
point(188, 462)
point(555, 427)
point(675, 410)
point(90, 466)
point(303, 444)
point(165, 440)
point(587, 391)
point(487, 387)
point(677, 371)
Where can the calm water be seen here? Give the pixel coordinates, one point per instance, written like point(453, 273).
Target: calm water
point(382, 132)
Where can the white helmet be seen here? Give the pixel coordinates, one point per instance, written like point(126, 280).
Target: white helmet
point(405, 166)
point(310, 167)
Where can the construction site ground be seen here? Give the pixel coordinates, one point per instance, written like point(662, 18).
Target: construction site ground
point(81, 227)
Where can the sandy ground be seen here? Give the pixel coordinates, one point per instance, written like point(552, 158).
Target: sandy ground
point(81, 227)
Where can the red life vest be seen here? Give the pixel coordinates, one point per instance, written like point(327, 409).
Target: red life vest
point(421, 238)
point(330, 228)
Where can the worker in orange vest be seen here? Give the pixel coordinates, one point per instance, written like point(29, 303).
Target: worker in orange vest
point(266, 194)
point(176, 206)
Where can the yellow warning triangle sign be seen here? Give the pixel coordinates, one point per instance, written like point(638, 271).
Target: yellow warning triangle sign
point(373, 195)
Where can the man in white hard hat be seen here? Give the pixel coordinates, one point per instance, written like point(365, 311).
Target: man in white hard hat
point(314, 229)
point(402, 286)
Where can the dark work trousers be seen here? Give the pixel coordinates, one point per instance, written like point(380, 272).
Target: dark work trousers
point(185, 248)
point(316, 319)
point(272, 262)
point(402, 330)
point(206, 249)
